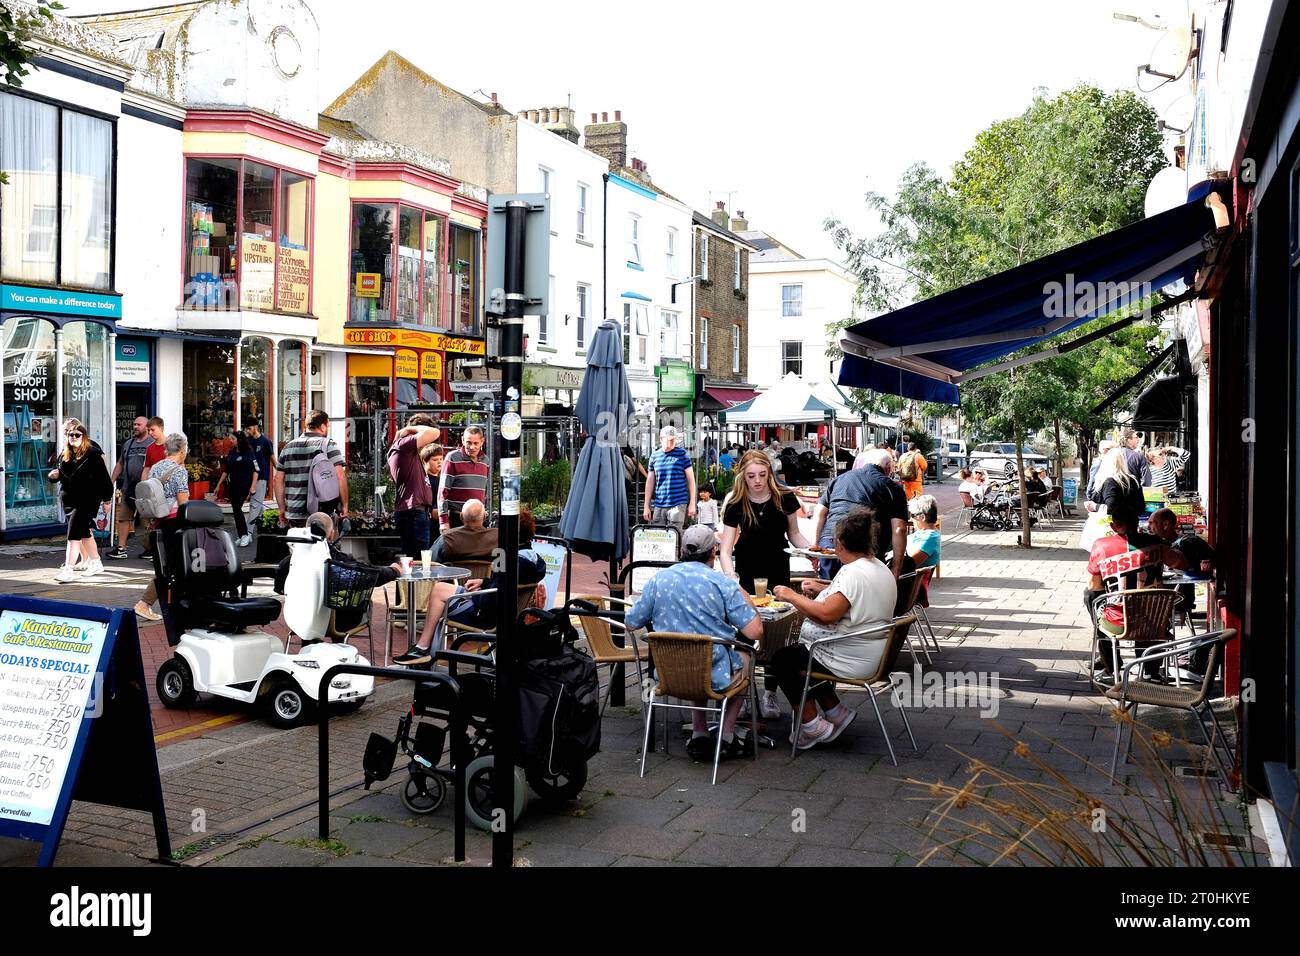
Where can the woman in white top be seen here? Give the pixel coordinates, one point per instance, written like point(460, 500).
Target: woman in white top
point(863, 593)
point(973, 484)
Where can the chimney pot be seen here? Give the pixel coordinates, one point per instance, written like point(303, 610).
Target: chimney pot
point(618, 116)
point(593, 117)
point(604, 117)
point(741, 214)
point(720, 204)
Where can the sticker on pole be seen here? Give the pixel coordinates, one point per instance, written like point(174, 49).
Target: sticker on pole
point(509, 485)
point(512, 426)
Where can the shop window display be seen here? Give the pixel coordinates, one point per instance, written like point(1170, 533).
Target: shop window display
point(464, 278)
point(210, 188)
point(30, 426)
point(372, 259)
point(291, 390)
point(255, 382)
point(208, 399)
point(396, 265)
point(84, 367)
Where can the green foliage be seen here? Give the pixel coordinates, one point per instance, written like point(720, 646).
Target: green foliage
point(916, 432)
point(544, 483)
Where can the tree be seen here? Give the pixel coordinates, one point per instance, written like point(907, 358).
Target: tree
point(1069, 168)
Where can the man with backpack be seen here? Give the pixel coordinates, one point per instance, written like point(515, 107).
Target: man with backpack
point(911, 469)
point(311, 476)
point(126, 475)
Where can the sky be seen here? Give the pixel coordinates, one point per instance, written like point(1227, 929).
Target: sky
point(787, 111)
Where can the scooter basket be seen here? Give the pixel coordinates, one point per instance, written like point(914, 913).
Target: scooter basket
point(347, 587)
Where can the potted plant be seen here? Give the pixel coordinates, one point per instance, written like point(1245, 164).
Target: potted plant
point(199, 474)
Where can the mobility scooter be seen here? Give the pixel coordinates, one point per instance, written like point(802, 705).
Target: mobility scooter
point(219, 649)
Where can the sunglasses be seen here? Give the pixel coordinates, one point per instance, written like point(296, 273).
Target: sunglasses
point(75, 434)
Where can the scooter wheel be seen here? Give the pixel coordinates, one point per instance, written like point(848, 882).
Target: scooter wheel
point(176, 684)
point(558, 788)
point(480, 806)
point(423, 792)
point(286, 704)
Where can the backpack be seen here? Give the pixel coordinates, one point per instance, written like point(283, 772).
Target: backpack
point(559, 712)
point(907, 468)
point(322, 480)
point(150, 499)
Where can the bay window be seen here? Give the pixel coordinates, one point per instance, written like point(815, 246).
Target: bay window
point(465, 247)
point(247, 228)
point(396, 265)
point(56, 210)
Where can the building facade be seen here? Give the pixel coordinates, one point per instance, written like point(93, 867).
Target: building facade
point(721, 300)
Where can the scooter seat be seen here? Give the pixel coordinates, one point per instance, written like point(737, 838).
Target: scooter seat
point(231, 612)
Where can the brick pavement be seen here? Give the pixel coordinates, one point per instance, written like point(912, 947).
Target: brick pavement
point(996, 608)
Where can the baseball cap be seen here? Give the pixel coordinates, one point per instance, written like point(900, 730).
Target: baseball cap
point(698, 540)
point(668, 431)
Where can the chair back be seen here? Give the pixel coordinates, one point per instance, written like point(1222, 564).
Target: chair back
point(1215, 640)
point(966, 500)
point(600, 637)
point(1056, 494)
point(1148, 613)
point(524, 598)
point(897, 638)
point(684, 663)
point(909, 592)
point(478, 569)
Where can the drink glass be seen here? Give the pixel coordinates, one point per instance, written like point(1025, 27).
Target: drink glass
point(404, 562)
point(760, 587)
point(426, 559)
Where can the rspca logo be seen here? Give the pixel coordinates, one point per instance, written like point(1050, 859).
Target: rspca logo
point(76, 909)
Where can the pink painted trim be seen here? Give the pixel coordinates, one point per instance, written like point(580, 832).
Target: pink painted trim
point(335, 166)
point(256, 124)
point(405, 173)
point(470, 207)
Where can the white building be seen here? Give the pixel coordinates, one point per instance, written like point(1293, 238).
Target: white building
point(549, 160)
point(791, 301)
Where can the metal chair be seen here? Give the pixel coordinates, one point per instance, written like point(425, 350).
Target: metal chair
point(455, 630)
point(967, 508)
point(1148, 618)
point(924, 577)
point(342, 635)
point(395, 611)
point(909, 589)
point(1056, 496)
point(893, 633)
point(683, 664)
point(600, 641)
point(1133, 691)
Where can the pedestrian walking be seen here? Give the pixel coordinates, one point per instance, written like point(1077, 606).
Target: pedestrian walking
point(465, 476)
point(126, 475)
point(85, 483)
point(239, 475)
point(670, 483)
point(1135, 457)
point(911, 470)
point(305, 482)
point(267, 464)
point(171, 475)
point(414, 501)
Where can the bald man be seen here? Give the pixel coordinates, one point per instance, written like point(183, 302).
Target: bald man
point(871, 486)
point(471, 541)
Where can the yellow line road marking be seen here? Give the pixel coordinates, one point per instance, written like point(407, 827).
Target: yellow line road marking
point(206, 725)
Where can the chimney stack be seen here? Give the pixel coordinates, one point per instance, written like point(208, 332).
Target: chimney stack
point(558, 119)
point(740, 223)
point(608, 140)
point(719, 215)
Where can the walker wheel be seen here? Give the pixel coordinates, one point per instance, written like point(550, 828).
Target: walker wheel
point(423, 792)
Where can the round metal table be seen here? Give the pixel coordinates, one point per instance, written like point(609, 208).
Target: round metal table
point(435, 573)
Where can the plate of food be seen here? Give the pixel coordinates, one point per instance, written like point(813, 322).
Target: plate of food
point(813, 554)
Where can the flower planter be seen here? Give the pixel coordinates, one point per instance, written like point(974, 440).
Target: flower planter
point(198, 490)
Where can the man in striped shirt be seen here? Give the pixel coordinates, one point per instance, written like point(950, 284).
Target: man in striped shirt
point(295, 472)
point(670, 483)
point(465, 476)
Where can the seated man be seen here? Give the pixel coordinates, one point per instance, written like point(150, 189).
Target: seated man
point(471, 540)
point(692, 598)
point(1201, 561)
point(1116, 554)
point(481, 611)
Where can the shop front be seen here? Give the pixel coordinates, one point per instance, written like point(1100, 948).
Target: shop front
point(57, 364)
point(557, 386)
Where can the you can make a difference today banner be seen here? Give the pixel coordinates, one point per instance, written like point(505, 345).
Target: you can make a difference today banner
point(47, 676)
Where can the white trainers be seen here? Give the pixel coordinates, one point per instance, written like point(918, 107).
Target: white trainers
point(91, 567)
point(839, 717)
point(65, 575)
point(769, 706)
point(245, 541)
point(816, 731)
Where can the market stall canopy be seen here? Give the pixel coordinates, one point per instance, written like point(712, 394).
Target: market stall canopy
point(830, 393)
point(790, 401)
point(923, 350)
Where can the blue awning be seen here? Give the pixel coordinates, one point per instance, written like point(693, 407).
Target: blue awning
point(921, 350)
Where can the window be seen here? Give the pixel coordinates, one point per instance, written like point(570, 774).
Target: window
point(737, 283)
point(704, 344)
point(735, 349)
point(704, 256)
point(584, 299)
point(409, 255)
point(791, 300)
point(58, 203)
point(582, 210)
point(465, 246)
point(671, 263)
point(431, 310)
point(636, 333)
point(544, 178)
point(544, 320)
point(791, 358)
point(396, 265)
point(247, 226)
point(634, 241)
point(669, 335)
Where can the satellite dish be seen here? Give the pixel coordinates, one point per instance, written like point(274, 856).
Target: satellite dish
point(1167, 190)
point(1178, 114)
point(1172, 53)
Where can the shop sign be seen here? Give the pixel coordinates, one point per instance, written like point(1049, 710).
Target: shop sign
point(407, 364)
point(257, 273)
point(62, 301)
point(551, 376)
point(370, 285)
point(676, 379)
point(412, 338)
point(431, 367)
point(131, 364)
point(294, 279)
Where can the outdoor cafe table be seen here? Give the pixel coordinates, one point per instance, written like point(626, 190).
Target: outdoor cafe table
point(417, 574)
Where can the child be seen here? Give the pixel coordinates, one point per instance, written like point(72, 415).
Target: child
point(706, 510)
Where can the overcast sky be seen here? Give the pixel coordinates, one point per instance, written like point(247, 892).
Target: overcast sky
point(791, 110)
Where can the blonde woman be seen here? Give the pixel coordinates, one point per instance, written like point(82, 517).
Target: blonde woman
point(84, 480)
point(1116, 487)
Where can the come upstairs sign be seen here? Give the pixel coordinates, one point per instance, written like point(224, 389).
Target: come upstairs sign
point(412, 338)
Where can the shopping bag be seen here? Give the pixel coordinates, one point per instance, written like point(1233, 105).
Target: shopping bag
point(1097, 526)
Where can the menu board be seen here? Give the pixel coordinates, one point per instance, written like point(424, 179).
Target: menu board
point(48, 670)
point(294, 280)
point(256, 272)
point(651, 544)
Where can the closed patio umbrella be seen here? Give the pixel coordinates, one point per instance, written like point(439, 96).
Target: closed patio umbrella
point(595, 521)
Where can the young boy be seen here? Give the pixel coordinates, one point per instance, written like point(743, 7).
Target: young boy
point(706, 512)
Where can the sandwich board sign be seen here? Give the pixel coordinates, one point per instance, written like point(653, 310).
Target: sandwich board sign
point(652, 543)
point(74, 719)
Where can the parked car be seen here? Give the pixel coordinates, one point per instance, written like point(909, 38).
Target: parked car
point(953, 451)
point(998, 459)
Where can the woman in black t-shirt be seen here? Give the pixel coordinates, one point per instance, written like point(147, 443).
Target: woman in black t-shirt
point(239, 474)
point(759, 520)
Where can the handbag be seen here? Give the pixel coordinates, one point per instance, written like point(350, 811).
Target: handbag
point(1096, 527)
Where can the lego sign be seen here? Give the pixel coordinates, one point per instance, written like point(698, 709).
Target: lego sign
point(411, 338)
point(369, 285)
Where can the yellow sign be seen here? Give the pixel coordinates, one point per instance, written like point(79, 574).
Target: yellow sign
point(370, 366)
point(407, 364)
point(414, 339)
point(369, 285)
point(256, 272)
point(294, 280)
point(431, 367)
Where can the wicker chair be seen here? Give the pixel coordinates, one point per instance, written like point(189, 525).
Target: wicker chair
point(342, 636)
point(683, 664)
point(1148, 619)
point(455, 633)
point(1132, 691)
point(895, 633)
point(600, 641)
point(478, 569)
